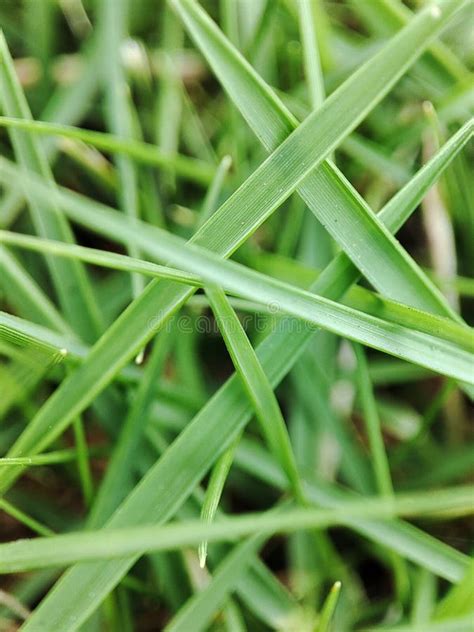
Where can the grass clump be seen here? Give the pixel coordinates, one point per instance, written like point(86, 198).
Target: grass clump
point(232, 398)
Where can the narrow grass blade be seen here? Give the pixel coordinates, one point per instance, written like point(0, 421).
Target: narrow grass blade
point(119, 476)
point(25, 519)
point(26, 296)
point(113, 18)
point(49, 458)
point(79, 305)
point(373, 426)
point(146, 153)
point(214, 492)
point(345, 321)
point(65, 549)
point(327, 613)
point(314, 77)
point(357, 298)
point(256, 385)
point(379, 459)
point(103, 258)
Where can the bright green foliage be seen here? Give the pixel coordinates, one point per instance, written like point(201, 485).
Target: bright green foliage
point(231, 397)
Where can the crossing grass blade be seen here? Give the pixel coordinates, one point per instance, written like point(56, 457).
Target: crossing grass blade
point(156, 432)
point(357, 297)
point(326, 188)
point(214, 492)
point(401, 342)
point(288, 166)
point(64, 549)
point(281, 356)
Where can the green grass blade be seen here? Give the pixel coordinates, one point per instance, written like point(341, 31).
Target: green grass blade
point(397, 536)
point(314, 78)
point(22, 517)
point(214, 492)
point(325, 189)
point(146, 153)
point(78, 305)
point(65, 549)
point(390, 15)
point(26, 296)
point(103, 258)
point(256, 385)
point(357, 298)
point(113, 18)
point(327, 613)
point(373, 426)
point(399, 341)
point(459, 599)
point(118, 478)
